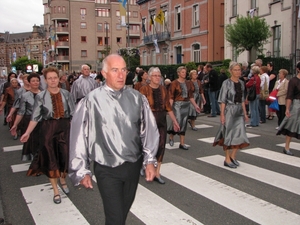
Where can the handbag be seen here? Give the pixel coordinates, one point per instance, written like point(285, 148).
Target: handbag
point(251, 96)
point(272, 95)
point(264, 93)
point(274, 105)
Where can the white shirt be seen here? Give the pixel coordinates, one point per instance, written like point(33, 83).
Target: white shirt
point(264, 78)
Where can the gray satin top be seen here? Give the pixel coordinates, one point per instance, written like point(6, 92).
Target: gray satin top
point(18, 95)
point(26, 104)
point(82, 86)
point(43, 108)
point(227, 92)
point(111, 127)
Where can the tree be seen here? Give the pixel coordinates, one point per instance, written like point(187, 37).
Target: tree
point(131, 57)
point(22, 62)
point(247, 34)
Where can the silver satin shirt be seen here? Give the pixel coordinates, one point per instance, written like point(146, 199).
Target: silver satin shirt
point(111, 127)
point(18, 96)
point(43, 108)
point(26, 104)
point(82, 86)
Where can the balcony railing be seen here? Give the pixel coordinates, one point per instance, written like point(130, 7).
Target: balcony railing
point(163, 36)
point(62, 29)
point(62, 43)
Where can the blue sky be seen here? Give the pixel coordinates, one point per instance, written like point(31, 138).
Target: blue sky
point(19, 16)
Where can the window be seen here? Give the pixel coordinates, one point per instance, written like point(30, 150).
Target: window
point(83, 38)
point(102, 12)
point(234, 7)
point(82, 11)
point(99, 27)
point(83, 53)
point(119, 40)
point(178, 55)
point(276, 40)
point(102, 1)
point(54, 9)
point(196, 53)
point(144, 59)
point(177, 19)
point(100, 41)
point(131, 2)
point(165, 57)
point(106, 26)
point(253, 4)
point(83, 25)
point(118, 13)
point(58, 9)
point(63, 9)
point(99, 55)
point(135, 14)
point(196, 15)
point(153, 57)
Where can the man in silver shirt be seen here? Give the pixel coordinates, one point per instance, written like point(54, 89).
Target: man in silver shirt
point(114, 127)
point(83, 85)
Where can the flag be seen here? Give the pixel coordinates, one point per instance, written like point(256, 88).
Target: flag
point(156, 46)
point(143, 27)
point(251, 12)
point(123, 2)
point(122, 13)
point(160, 17)
point(151, 22)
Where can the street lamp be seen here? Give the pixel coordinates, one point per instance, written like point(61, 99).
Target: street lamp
point(106, 37)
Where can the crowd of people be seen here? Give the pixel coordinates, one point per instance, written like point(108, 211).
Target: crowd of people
point(119, 121)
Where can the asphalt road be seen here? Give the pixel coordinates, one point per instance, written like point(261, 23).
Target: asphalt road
point(199, 189)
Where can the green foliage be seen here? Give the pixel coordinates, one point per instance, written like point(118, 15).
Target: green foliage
point(22, 62)
point(89, 65)
point(191, 66)
point(279, 63)
point(131, 57)
point(248, 33)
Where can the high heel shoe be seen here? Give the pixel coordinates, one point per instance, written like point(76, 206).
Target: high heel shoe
point(234, 161)
point(288, 152)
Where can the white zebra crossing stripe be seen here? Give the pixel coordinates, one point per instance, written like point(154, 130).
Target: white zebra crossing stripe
point(263, 175)
point(152, 209)
point(293, 145)
point(210, 140)
point(39, 199)
point(20, 167)
point(202, 126)
point(274, 156)
point(12, 148)
point(249, 206)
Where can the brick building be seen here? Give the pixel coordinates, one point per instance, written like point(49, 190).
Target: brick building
point(192, 31)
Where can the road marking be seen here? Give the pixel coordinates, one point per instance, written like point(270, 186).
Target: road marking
point(202, 126)
point(39, 199)
point(152, 209)
point(274, 156)
point(12, 148)
point(175, 146)
point(293, 145)
point(210, 140)
point(20, 167)
point(249, 206)
point(275, 179)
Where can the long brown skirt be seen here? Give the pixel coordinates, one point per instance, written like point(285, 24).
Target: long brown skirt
point(161, 122)
point(53, 155)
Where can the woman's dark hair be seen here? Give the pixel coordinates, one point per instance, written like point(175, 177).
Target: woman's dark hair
point(9, 75)
point(33, 75)
point(140, 74)
point(298, 65)
point(271, 64)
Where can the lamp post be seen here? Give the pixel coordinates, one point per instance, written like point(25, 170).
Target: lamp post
point(106, 37)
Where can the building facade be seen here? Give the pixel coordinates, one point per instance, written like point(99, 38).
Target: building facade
point(16, 45)
point(191, 31)
point(283, 18)
point(84, 31)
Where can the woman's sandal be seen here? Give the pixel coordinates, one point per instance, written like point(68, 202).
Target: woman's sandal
point(64, 188)
point(57, 199)
point(270, 117)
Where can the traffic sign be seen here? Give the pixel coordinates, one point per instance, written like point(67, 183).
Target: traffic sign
point(35, 67)
point(29, 68)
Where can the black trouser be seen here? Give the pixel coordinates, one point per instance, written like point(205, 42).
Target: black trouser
point(117, 186)
point(206, 107)
point(281, 114)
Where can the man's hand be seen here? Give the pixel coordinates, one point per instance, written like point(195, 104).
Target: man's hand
point(87, 181)
point(150, 172)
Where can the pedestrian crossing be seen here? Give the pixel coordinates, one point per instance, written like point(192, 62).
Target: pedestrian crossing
point(151, 208)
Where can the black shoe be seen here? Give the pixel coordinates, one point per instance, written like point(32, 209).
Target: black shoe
point(184, 147)
point(288, 152)
point(230, 165)
point(159, 180)
point(57, 199)
point(234, 161)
